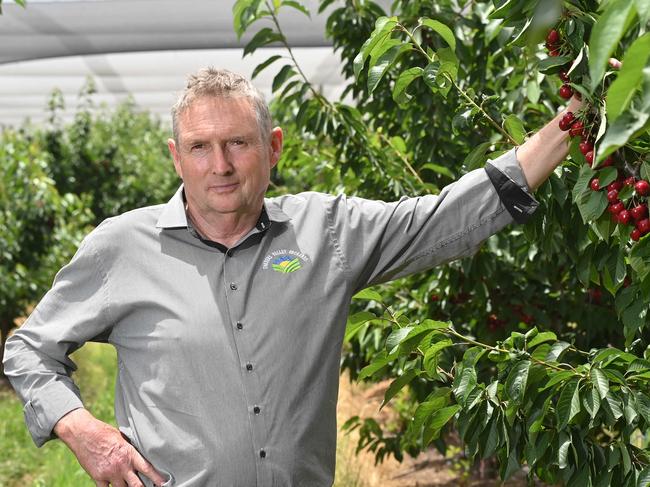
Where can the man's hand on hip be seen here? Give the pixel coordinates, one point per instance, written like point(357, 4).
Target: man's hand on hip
point(103, 452)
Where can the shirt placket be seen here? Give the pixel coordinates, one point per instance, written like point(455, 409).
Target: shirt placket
point(249, 362)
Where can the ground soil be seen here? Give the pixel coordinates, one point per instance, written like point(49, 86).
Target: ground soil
point(429, 469)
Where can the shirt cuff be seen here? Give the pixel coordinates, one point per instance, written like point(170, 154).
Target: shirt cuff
point(510, 183)
point(42, 412)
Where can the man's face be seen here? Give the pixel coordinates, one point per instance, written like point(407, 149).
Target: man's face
point(222, 158)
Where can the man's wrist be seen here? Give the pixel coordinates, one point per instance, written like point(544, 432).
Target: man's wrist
point(66, 427)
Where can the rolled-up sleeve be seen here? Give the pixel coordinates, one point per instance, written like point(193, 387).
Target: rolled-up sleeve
point(381, 241)
point(36, 359)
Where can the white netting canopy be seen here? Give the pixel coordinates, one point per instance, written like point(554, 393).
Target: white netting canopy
point(139, 47)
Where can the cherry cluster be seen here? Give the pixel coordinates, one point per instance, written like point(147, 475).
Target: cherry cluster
point(554, 47)
point(635, 213)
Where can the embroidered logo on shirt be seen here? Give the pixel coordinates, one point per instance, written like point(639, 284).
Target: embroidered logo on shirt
point(285, 261)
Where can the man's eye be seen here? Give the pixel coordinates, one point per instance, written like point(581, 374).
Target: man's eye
point(197, 147)
point(238, 142)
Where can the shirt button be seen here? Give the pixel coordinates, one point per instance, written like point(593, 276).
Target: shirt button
point(239, 325)
point(233, 286)
point(249, 366)
point(256, 410)
point(262, 453)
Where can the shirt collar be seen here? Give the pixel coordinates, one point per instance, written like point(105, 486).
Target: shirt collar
point(174, 216)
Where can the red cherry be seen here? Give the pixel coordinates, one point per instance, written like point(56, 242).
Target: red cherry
point(635, 234)
point(642, 187)
point(553, 37)
point(624, 217)
point(554, 52)
point(617, 185)
point(577, 129)
point(643, 226)
point(589, 156)
point(630, 181)
point(586, 146)
point(639, 212)
point(616, 207)
point(565, 124)
point(566, 91)
point(564, 76)
point(612, 196)
point(594, 184)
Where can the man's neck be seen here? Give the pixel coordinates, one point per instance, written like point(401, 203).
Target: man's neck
point(225, 229)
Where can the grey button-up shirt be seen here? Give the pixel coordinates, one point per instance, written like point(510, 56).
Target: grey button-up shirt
point(228, 359)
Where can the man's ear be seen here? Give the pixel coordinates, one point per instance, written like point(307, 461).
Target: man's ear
point(276, 145)
point(171, 144)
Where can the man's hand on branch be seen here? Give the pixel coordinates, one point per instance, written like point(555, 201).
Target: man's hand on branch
point(103, 452)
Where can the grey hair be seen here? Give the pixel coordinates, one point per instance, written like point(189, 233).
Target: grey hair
point(212, 82)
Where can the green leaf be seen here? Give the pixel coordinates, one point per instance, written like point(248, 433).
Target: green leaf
point(557, 349)
point(430, 361)
point(383, 28)
point(396, 337)
point(600, 382)
point(629, 78)
point(515, 128)
point(545, 336)
point(262, 38)
point(517, 379)
point(438, 169)
point(605, 36)
point(356, 322)
point(591, 401)
point(563, 450)
point(260, 67)
point(438, 420)
point(592, 206)
point(568, 404)
point(477, 158)
point(368, 295)
point(551, 62)
point(285, 73)
point(444, 31)
point(403, 81)
point(464, 383)
point(379, 362)
point(297, 6)
point(622, 130)
point(398, 384)
point(384, 62)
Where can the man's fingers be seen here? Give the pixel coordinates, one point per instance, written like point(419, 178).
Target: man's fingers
point(615, 63)
point(143, 466)
point(132, 480)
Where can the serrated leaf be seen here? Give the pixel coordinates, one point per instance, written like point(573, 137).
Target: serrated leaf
point(557, 349)
point(263, 37)
point(629, 78)
point(383, 63)
point(444, 31)
point(368, 295)
point(383, 28)
point(379, 362)
point(464, 383)
point(568, 404)
point(600, 382)
point(356, 322)
point(551, 62)
point(517, 380)
point(403, 81)
point(297, 5)
point(477, 158)
point(396, 337)
point(515, 128)
point(591, 401)
point(605, 36)
point(545, 336)
point(398, 384)
point(260, 67)
point(592, 206)
point(563, 450)
point(285, 73)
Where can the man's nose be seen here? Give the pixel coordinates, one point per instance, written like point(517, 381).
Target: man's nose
point(220, 162)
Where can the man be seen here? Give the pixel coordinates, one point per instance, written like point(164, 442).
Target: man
point(228, 310)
